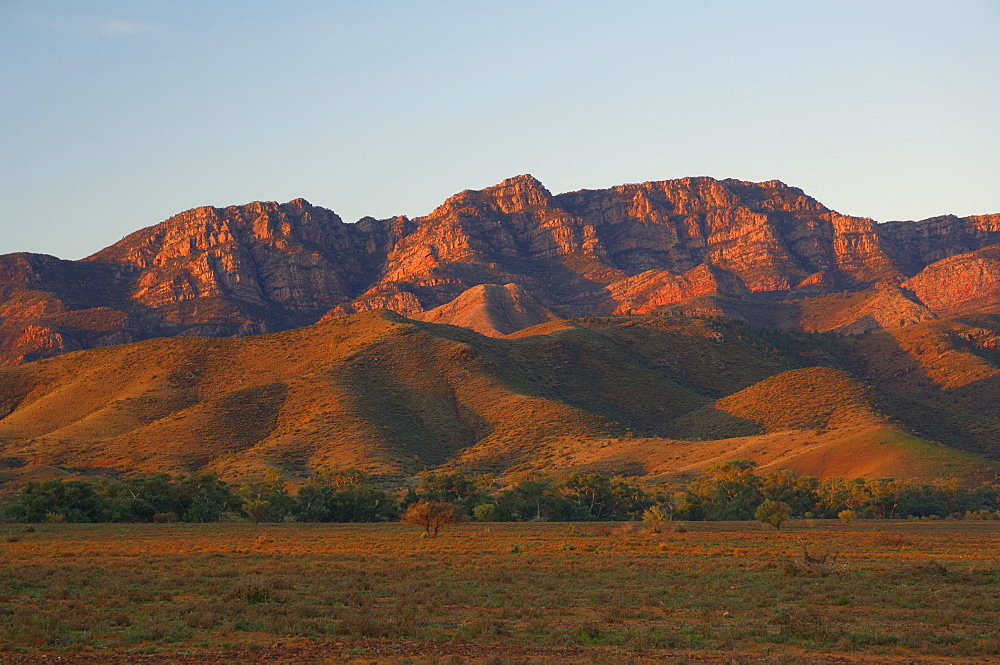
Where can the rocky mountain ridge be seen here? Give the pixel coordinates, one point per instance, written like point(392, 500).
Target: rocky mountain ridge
point(506, 257)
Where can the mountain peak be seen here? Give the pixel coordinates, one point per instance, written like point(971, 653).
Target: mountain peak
point(518, 193)
point(523, 180)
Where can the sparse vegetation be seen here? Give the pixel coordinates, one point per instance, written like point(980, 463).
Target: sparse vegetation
point(535, 592)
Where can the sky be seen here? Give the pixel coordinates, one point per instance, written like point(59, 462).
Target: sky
point(115, 115)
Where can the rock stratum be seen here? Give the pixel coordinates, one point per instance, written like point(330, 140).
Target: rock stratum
point(504, 258)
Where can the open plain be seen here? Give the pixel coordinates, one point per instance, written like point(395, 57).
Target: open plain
point(892, 591)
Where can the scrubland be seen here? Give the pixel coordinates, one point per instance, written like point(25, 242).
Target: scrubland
point(904, 591)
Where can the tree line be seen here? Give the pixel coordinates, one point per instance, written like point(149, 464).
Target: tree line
point(727, 491)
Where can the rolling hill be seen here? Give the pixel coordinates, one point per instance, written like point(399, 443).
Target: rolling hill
point(651, 395)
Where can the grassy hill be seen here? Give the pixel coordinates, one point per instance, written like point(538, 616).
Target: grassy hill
point(651, 395)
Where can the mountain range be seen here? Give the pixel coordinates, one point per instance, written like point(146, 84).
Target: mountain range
point(648, 329)
point(505, 258)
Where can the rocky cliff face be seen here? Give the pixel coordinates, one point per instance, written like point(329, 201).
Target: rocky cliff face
point(501, 258)
point(293, 257)
point(960, 284)
point(914, 245)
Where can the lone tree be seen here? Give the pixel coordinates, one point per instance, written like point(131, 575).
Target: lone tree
point(773, 512)
point(432, 515)
point(654, 517)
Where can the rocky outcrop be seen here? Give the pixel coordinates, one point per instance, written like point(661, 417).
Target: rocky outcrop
point(772, 236)
point(293, 257)
point(654, 289)
point(915, 245)
point(497, 258)
point(960, 284)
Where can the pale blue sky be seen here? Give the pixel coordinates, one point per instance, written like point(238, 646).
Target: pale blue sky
point(115, 115)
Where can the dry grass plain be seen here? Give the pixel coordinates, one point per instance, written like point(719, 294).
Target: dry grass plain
point(498, 593)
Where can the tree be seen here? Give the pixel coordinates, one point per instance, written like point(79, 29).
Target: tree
point(72, 500)
point(203, 497)
point(799, 492)
point(655, 517)
point(534, 497)
point(452, 487)
point(728, 491)
point(432, 515)
point(629, 501)
point(840, 493)
point(342, 496)
point(773, 512)
point(485, 512)
point(267, 500)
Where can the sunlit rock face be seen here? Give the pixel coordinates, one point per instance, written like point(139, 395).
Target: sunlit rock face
point(500, 259)
point(960, 284)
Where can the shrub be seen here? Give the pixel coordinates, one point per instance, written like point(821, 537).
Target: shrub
point(654, 517)
point(846, 516)
point(432, 515)
point(252, 590)
point(772, 512)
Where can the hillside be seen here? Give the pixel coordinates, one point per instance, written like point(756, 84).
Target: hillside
point(651, 395)
point(505, 258)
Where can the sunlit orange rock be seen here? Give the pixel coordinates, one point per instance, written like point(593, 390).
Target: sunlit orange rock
point(761, 250)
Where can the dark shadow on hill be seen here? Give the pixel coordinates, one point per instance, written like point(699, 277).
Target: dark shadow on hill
point(710, 422)
point(966, 417)
point(421, 428)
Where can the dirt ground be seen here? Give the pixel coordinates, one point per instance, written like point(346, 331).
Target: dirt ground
point(816, 592)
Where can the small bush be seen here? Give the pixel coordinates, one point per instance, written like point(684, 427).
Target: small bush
point(655, 517)
point(810, 565)
point(772, 512)
point(253, 590)
point(929, 567)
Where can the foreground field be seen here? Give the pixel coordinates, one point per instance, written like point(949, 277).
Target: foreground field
point(501, 593)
